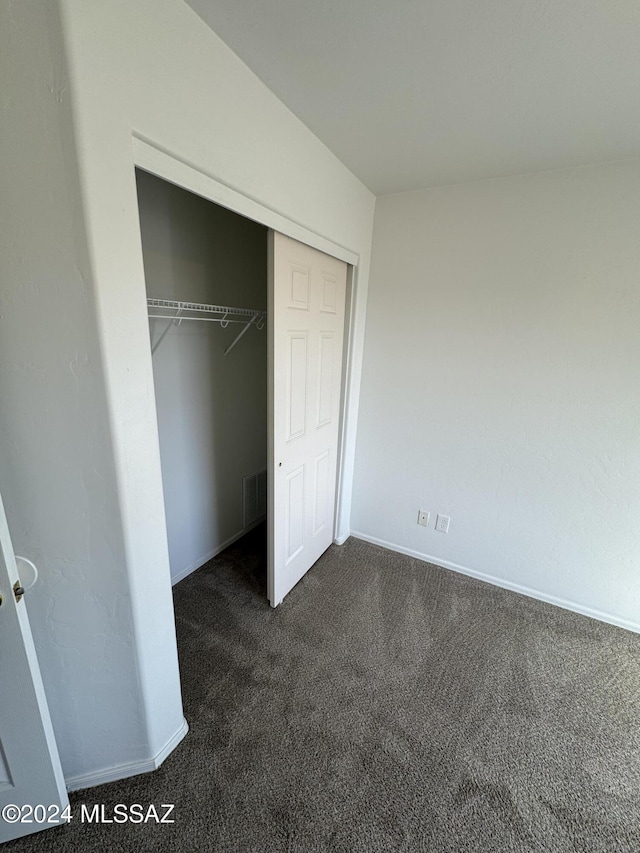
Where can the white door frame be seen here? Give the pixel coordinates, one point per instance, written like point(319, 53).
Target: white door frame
point(170, 168)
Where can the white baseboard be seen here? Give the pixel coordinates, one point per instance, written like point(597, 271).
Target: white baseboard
point(133, 768)
point(183, 573)
point(340, 540)
point(505, 584)
point(171, 744)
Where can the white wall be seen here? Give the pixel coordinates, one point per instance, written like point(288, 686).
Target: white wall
point(212, 410)
point(56, 470)
point(501, 383)
point(80, 464)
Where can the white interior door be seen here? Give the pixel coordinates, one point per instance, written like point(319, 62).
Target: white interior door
point(30, 772)
point(306, 325)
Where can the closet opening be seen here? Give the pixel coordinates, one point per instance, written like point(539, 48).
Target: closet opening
point(206, 273)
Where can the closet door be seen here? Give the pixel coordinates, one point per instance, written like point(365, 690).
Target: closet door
point(306, 327)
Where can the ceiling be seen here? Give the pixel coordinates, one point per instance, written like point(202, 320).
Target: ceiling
point(419, 93)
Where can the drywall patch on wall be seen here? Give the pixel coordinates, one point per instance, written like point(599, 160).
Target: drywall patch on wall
point(501, 380)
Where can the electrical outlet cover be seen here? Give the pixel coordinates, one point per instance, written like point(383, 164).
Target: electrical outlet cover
point(442, 523)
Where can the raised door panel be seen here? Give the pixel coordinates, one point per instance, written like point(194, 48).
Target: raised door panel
point(326, 365)
point(321, 497)
point(294, 513)
point(296, 396)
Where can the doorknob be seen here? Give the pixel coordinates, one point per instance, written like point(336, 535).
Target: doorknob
point(18, 590)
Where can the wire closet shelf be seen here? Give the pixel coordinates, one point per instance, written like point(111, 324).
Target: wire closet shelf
point(176, 311)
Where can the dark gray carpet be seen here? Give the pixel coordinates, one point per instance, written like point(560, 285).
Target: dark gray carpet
point(387, 705)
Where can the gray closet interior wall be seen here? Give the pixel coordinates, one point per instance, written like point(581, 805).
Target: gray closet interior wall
point(212, 410)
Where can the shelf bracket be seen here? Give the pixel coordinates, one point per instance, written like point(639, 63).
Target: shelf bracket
point(174, 321)
point(241, 333)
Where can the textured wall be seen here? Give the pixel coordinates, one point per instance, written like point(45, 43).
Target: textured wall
point(80, 472)
point(56, 471)
point(501, 383)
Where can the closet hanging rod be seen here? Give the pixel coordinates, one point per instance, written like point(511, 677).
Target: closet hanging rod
point(180, 317)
